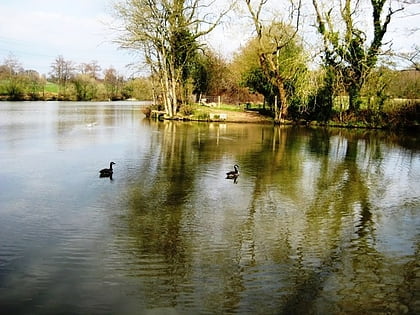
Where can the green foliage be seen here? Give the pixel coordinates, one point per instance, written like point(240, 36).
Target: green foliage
point(34, 86)
point(186, 110)
point(375, 89)
point(395, 114)
point(201, 74)
point(320, 103)
point(184, 49)
point(256, 81)
point(51, 87)
point(286, 63)
point(404, 84)
point(85, 87)
point(351, 53)
point(211, 75)
point(139, 88)
point(14, 88)
point(402, 113)
point(203, 116)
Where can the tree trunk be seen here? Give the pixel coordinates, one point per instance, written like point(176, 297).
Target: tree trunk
point(165, 92)
point(355, 99)
point(284, 107)
point(174, 98)
point(351, 51)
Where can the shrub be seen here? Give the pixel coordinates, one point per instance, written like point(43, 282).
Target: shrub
point(147, 111)
point(186, 110)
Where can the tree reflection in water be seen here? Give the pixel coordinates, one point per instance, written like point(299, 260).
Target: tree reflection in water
point(298, 234)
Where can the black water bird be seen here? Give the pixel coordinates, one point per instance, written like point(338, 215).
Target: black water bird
point(233, 174)
point(107, 172)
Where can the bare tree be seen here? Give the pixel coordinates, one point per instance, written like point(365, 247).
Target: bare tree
point(12, 65)
point(270, 50)
point(166, 33)
point(62, 72)
point(412, 58)
point(113, 83)
point(91, 69)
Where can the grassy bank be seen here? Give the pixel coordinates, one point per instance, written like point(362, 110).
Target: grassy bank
point(396, 114)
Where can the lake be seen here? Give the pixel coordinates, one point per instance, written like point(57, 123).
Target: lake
point(319, 221)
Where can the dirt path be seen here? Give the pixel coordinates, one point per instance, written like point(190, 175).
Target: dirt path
point(246, 116)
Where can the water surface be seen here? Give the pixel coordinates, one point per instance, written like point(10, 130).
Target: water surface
point(320, 221)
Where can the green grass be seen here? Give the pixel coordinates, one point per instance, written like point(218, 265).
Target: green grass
point(51, 87)
point(233, 108)
point(197, 111)
point(192, 108)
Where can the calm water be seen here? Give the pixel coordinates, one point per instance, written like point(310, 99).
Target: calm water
point(319, 222)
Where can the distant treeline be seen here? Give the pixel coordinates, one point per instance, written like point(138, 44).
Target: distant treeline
point(68, 81)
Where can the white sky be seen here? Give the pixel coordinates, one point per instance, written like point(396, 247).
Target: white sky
point(37, 31)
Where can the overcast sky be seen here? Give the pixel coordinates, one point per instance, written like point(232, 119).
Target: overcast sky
point(37, 31)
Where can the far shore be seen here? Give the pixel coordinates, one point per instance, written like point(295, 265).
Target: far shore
point(242, 114)
point(229, 115)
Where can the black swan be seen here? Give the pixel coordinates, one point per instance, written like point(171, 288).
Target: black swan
point(106, 172)
point(233, 174)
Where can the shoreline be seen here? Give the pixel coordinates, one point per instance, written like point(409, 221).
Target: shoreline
point(247, 116)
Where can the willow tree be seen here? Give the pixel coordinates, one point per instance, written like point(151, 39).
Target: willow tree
point(350, 51)
point(274, 39)
point(167, 33)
